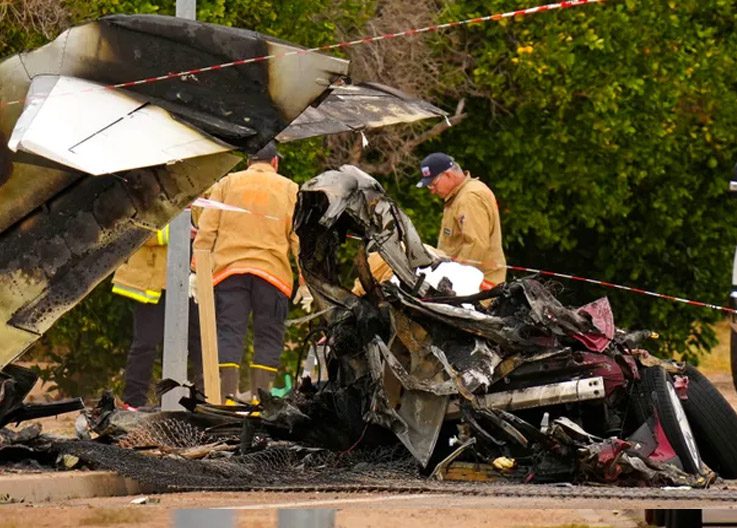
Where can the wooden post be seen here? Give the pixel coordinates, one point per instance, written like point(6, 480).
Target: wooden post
point(208, 327)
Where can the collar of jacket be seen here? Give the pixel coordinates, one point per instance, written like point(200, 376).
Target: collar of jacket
point(452, 194)
point(261, 166)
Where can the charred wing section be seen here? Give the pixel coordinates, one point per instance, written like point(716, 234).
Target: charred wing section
point(61, 230)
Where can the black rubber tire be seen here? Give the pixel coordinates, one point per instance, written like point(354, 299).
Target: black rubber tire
point(733, 355)
point(713, 422)
point(655, 517)
point(654, 383)
point(683, 519)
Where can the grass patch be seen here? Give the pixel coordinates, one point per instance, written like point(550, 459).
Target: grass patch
point(718, 360)
point(104, 516)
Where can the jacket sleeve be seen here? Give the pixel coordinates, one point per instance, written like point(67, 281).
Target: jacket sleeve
point(209, 223)
point(476, 223)
point(293, 238)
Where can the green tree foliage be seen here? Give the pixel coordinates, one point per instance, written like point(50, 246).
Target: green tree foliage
point(607, 133)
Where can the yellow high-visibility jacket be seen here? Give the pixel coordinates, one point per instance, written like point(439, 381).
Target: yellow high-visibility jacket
point(471, 232)
point(256, 242)
point(143, 276)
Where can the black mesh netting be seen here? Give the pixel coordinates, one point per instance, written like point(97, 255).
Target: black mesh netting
point(300, 469)
point(157, 453)
point(288, 467)
point(172, 434)
point(274, 467)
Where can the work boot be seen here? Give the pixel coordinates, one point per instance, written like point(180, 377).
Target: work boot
point(261, 379)
point(229, 377)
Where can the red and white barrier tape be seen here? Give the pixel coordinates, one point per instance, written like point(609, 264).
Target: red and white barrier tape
point(605, 284)
point(625, 288)
point(345, 44)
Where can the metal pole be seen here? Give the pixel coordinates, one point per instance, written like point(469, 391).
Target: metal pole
point(187, 9)
point(176, 318)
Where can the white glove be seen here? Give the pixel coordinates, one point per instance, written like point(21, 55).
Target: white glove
point(304, 298)
point(193, 286)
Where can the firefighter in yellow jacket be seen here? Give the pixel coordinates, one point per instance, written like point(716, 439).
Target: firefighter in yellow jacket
point(142, 278)
point(251, 268)
point(470, 232)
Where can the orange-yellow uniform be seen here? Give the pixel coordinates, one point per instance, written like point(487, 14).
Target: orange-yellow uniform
point(379, 269)
point(250, 259)
point(143, 276)
point(471, 232)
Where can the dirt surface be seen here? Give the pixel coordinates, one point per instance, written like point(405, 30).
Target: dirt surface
point(363, 510)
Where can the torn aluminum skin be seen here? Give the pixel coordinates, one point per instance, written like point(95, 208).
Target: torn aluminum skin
point(352, 108)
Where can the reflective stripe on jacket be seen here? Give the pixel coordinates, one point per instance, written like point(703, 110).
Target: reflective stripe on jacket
point(471, 232)
point(143, 276)
point(256, 242)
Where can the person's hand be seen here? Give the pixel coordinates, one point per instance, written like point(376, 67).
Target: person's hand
point(304, 298)
point(193, 286)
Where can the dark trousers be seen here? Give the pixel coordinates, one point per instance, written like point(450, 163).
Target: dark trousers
point(148, 336)
point(236, 298)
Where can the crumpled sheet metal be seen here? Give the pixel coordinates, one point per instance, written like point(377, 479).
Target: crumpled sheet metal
point(355, 107)
point(349, 199)
point(610, 461)
point(430, 360)
point(420, 414)
point(600, 312)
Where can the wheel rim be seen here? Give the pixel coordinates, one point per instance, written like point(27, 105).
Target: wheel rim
point(693, 450)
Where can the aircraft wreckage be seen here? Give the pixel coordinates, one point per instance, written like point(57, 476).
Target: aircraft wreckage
point(505, 385)
point(87, 170)
point(417, 377)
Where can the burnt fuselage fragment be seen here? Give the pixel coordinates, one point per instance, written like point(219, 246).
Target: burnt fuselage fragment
point(63, 230)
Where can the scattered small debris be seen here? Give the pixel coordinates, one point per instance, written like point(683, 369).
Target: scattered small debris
point(5, 498)
point(146, 500)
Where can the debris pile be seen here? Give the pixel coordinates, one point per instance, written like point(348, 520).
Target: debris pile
point(505, 385)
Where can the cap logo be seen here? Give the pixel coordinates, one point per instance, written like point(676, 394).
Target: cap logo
point(425, 171)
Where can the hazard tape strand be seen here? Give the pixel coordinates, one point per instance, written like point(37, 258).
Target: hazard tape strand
point(631, 289)
point(339, 45)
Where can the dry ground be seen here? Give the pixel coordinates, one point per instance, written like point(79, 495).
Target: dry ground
point(259, 510)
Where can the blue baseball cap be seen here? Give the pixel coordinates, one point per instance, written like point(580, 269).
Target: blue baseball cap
point(433, 165)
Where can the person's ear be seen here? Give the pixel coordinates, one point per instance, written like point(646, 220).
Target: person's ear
point(275, 162)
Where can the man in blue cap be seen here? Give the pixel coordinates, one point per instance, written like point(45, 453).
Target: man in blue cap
point(470, 232)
